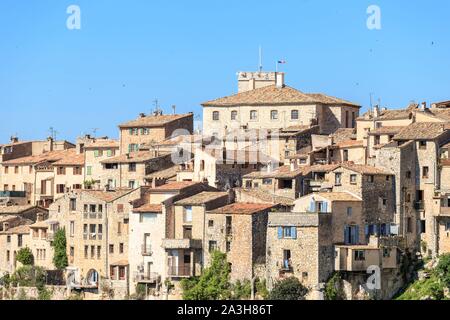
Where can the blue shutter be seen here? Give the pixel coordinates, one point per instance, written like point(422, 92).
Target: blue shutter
point(346, 234)
point(366, 230)
point(280, 233)
point(312, 206)
point(357, 234)
point(388, 229)
point(325, 206)
point(294, 232)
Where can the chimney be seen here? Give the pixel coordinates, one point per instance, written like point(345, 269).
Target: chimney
point(376, 111)
point(14, 139)
point(141, 115)
point(39, 217)
point(50, 144)
point(5, 226)
point(174, 108)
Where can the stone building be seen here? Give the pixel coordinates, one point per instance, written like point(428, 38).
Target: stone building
point(150, 129)
point(97, 231)
point(269, 104)
point(238, 229)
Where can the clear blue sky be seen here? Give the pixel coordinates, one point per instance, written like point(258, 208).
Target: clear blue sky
point(128, 53)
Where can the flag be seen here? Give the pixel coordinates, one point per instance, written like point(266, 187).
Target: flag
point(282, 61)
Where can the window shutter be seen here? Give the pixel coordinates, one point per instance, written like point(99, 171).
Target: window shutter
point(366, 230)
point(294, 232)
point(357, 234)
point(312, 206)
point(280, 233)
point(325, 206)
point(346, 234)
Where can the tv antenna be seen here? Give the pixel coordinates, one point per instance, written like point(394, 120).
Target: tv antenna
point(260, 60)
point(53, 133)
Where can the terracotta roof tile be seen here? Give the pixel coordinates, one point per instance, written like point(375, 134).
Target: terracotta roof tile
point(135, 157)
point(422, 130)
point(387, 130)
point(201, 198)
point(339, 196)
point(16, 209)
point(281, 172)
point(175, 186)
point(51, 156)
point(102, 143)
point(273, 95)
point(349, 144)
point(242, 208)
point(365, 169)
point(154, 121)
point(107, 196)
point(148, 208)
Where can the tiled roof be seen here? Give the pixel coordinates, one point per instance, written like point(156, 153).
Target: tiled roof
point(6, 218)
point(175, 186)
point(71, 158)
point(102, 143)
point(445, 162)
point(267, 197)
point(343, 134)
point(422, 130)
point(442, 114)
point(16, 209)
point(364, 169)
point(153, 208)
point(273, 95)
point(281, 172)
point(391, 114)
point(164, 174)
point(51, 156)
point(242, 208)
point(349, 144)
point(387, 130)
point(154, 121)
point(339, 196)
point(135, 157)
point(22, 229)
point(107, 196)
point(320, 168)
point(201, 198)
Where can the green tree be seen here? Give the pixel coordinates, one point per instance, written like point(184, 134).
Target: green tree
point(288, 289)
point(333, 288)
point(213, 284)
point(60, 254)
point(443, 269)
point(25, 256)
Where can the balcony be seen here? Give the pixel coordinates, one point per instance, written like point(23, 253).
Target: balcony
point(181, 244)
point(419, 205)
point(13, 194)
point(146, 250)
point(148, 277)
point(180, 271)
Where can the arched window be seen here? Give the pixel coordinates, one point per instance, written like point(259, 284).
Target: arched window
point(253, 115)
point(233, 115)
point(215, 116)
point(274, 115)
point(294, 115)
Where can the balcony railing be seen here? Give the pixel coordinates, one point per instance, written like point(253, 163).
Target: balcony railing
point(180, 271)
point(145, 277)
point(13, 194)
point(146, 250)
point(419, 205)
point(92, 215)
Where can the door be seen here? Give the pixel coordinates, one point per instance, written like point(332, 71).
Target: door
point(351, 234)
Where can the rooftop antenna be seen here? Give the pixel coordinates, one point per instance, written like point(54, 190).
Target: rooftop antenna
point(174, 108)
point(260, 60)
point(94, 131)
point(157, 108)
point(53, 133)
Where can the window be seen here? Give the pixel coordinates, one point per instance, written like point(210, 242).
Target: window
point(346, 119)
point(99, 252)
point(132, 167)
point(86, 252)
point(287, 232)
point(187, 214)
point(6, 169)
point(360, 255)
point(72, 228)
point(16, 170)
point(422, 145)
point(228, 246)
point(77, 171)
point(345, 155)
point(30, 169)
point(60, 188)
point(8, 256)
point(215, 116)
point(19, 240)
point(425, 172)
point(274, 115)
point(294, 115)
point(210, 223)
point(111, 248)
point(253, 115)
point(121, 248)
point(77, 187)
point(89, 170)
point(92, 252)
point(447, 226)
point(120, 208)
point(349, 211)
point(287, 263)
point(371, 178)
point(72, 251)
point(131, 184)
point(121, 273)
point(409, 225)
point(353, 119)
point(73, 204)
point(119, 228)
point(388, 178)
point(338, 179)
point(8, 239)
point(408, 174)
point(233, 115)
point(212, 246)
point(61, 170)
point(377, 140)
point(267, 181)
point(133, 147)
point(353, 178)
